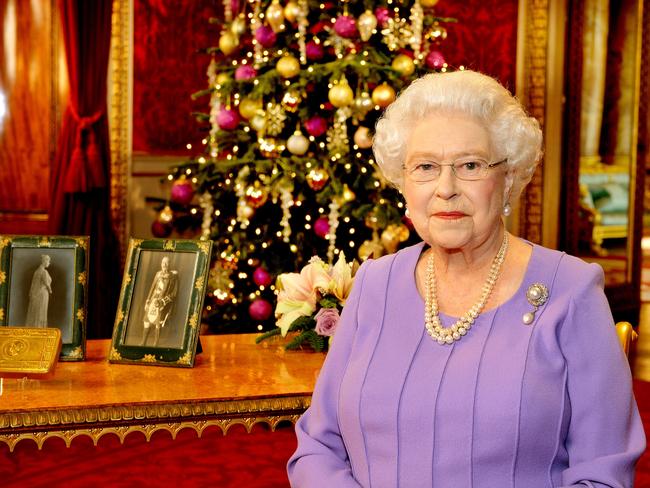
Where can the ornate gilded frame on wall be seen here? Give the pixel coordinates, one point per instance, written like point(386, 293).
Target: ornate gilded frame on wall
point(68, 272)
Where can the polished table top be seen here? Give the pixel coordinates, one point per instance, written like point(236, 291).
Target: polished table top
point(234, 381)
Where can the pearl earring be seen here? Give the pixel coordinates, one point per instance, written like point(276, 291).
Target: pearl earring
point(507, 209)
point(407, 213)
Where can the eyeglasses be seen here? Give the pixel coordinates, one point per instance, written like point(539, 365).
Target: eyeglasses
point(470, 169)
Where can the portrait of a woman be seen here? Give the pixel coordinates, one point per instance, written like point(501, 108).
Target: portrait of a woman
point(475, 358)
point(39, 295)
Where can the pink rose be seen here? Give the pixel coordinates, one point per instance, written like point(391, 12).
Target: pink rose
point(326, 321)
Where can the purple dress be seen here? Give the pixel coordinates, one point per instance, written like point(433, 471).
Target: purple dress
point(548, 404)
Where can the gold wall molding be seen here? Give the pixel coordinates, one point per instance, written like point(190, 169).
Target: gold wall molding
point(120, 89)
point(127, 419)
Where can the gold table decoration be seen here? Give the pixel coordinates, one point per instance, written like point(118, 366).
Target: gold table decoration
point(234, 381)
point(28, 351)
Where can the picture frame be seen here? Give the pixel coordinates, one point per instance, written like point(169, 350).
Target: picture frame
point(159, 312)
point(44, 283)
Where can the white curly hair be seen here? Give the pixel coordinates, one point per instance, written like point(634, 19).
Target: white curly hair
point(515, 136)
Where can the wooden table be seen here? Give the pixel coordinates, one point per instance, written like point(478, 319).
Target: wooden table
point(234, 381)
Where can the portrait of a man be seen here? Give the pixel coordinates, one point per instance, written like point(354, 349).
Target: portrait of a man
point(160, 302)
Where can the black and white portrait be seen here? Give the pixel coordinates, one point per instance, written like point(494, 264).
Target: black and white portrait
point(41, 290)
point(161, 299)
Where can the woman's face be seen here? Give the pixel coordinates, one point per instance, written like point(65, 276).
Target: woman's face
point(449, 212)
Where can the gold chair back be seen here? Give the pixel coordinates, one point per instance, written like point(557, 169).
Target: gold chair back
point(626, 334)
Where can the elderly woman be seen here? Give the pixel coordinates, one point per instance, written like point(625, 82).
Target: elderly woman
point(474, 358)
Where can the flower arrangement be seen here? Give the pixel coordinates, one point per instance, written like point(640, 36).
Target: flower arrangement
point(310, 302)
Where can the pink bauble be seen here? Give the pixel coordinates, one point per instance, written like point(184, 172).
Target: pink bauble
point(182, 192)
point(262, 277)
point(321, 227)
point(265, 36)
point(260, 309)
point(314, 51)
point(382, 14)
point(160, 229)
point(245, 72)
point(228, 119)
point(345, 26)
point(435, 60)
point(316, 126)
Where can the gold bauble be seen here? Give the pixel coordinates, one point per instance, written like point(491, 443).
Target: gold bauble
point(366, 24)
point(269, 147)
point(348, 195)
point(341, 95)
point(383, 95)
point(222, 78)
point(166, 215)
point(238, 26)
point(227, 42)
point(275, 16)
point(288, 66)
point(428, 3)
point(249, 107)
point(362, 137)
point(291, 11)
point(363, 103)
point(403, 64)
point(390, 239)
point(258, 122)
point(317, 178)
point(298, 144)
point(403, 232)
point(369, 249)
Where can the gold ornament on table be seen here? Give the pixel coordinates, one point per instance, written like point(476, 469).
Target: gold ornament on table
point(291, 11)
point(383, 95)
point(341, 95)
point(249, 107)
point(275, 117)
point(366, 24)
point(275, 16)
point(362, 137)
point(288, 66)
point(317, 178)
point(298, 144)
point(228, 42)
point(403, 64)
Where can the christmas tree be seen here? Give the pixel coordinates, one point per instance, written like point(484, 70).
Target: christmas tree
point(287, 171)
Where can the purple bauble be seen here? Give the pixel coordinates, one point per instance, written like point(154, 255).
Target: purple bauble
point(435, 60)
point(382, 14)
point(182, 192)
point(314, 51)
point(260, 309)
point(228, 119)
point(322, 227)
point(262, 277)
point(265, 36)
point(346, 26)
point(245, 72)
point(160, 229)
point(316, 126)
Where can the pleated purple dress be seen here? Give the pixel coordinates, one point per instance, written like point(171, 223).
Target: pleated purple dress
point(548, 404)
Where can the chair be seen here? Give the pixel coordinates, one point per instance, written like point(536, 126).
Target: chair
point(626, 334)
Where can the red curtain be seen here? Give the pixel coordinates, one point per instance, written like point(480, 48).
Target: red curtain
point(81, 171)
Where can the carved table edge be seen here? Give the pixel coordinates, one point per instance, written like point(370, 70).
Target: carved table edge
point(123, 420)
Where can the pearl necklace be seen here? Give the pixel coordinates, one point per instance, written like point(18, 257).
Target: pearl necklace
point(447, 335)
